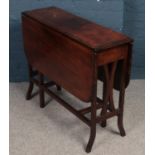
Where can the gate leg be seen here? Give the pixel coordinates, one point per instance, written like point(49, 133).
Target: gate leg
point(104, 109)
point(30, 88)
point(108, 89)
point(41, 91)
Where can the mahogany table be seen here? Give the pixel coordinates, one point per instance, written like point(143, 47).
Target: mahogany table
point(73, 53)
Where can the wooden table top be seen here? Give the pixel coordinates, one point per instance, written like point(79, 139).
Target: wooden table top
point(85, 32)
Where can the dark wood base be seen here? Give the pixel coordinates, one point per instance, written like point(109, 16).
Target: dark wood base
point(106, 104)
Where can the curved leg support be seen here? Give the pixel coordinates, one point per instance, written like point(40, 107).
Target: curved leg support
point(108, 89)
point(93, 127)
point(91, 140)
point(121, 101)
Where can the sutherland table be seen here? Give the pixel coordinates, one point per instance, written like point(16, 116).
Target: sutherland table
point(73, 53)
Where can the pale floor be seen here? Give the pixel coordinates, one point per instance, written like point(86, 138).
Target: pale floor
point(55, 131)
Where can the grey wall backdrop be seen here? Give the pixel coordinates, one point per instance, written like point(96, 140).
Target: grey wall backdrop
point(121, 15)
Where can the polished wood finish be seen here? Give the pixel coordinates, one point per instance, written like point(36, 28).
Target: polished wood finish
point(73, 53)
point(49, 50)
point(112, 55)
point(79, 29)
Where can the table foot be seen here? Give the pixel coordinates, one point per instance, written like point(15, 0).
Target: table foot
point(103, 124)
point(91, 139)
point(120, 126)
point(58, 88)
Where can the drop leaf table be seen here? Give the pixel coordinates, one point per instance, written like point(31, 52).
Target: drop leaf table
point(73, 53)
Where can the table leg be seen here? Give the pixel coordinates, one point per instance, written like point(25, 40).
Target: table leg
point(30, 88)
point(93, 126)
point(93, 110)
point(105, 99)
point(121, 101)
point(41, 91)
